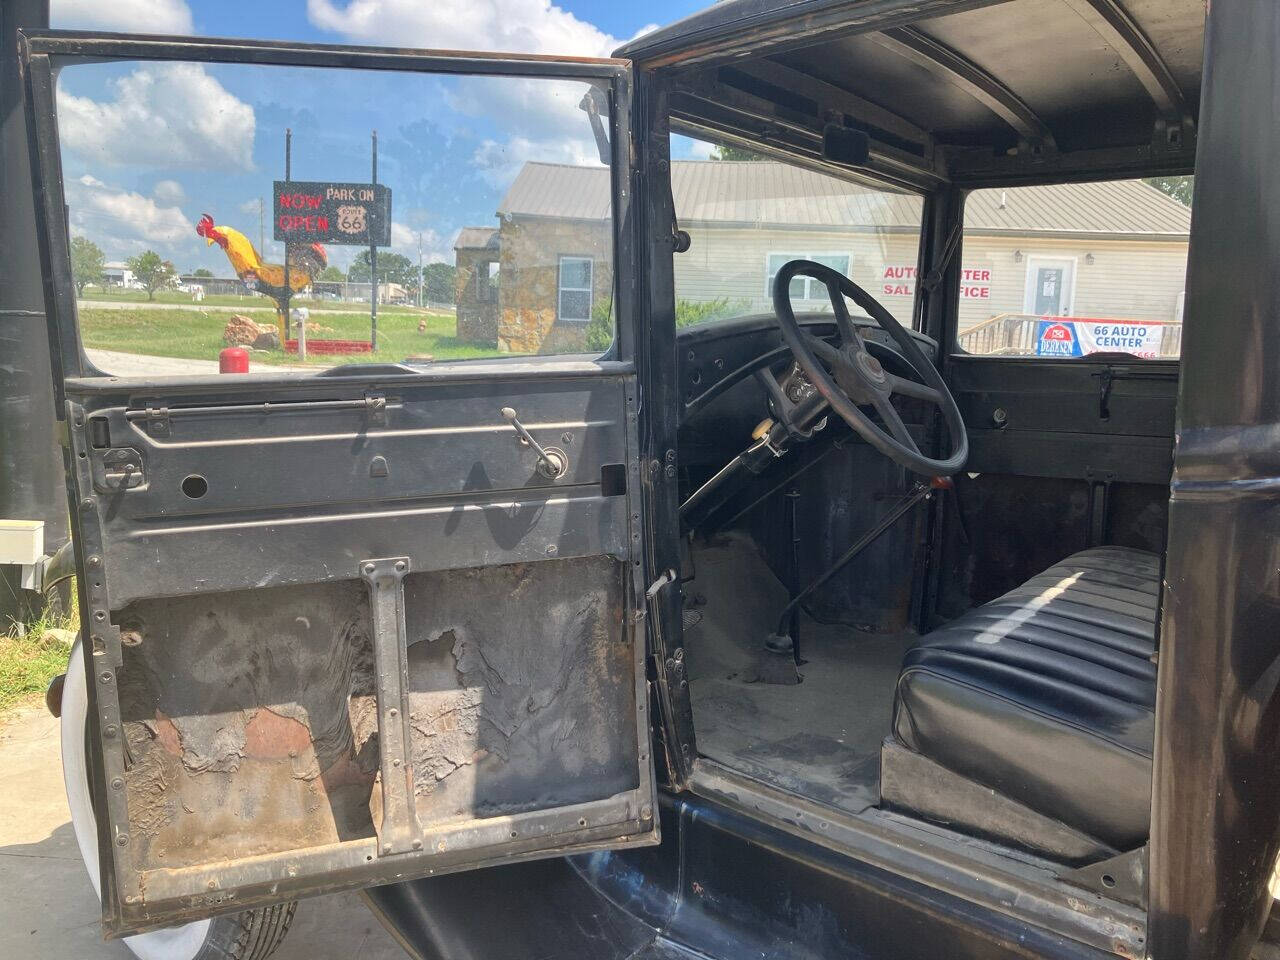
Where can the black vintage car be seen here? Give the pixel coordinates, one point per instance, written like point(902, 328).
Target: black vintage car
point(923, 605)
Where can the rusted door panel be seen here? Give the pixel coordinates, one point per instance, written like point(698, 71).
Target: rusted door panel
point(306, 684)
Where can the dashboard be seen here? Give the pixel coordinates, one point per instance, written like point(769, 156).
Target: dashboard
point(718, 358)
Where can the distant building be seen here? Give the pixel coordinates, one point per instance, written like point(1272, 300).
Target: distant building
point(116, 274)
point(475, 278)
point(1115, 250)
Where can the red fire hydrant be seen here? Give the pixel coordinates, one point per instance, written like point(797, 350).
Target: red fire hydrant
point(233, 360)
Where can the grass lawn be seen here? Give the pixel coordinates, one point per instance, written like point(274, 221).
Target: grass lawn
point(196, 335)
point(28, 661)
point(249, 302)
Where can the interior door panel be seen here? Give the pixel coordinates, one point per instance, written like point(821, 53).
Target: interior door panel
point(377, 634)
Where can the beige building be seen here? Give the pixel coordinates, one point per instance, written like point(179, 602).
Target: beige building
point(1113, 251)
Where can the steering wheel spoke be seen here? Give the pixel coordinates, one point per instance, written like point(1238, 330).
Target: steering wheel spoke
point(909, 388)
point(893, 420)
point(849, 334)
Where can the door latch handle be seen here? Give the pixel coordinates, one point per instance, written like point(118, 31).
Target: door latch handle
point(553, 462)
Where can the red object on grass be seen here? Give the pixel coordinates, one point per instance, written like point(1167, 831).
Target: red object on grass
point(331, 346)
point(233, 360)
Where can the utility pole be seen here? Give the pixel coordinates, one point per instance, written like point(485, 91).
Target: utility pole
point(262, 229)
point(419, 269)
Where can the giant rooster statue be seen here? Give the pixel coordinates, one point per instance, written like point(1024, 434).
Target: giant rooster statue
point(305, 263)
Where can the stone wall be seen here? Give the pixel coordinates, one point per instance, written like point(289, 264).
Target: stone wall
point(528, 300)
point(477, 319)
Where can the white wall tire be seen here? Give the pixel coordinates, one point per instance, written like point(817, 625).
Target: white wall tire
point(252, 935)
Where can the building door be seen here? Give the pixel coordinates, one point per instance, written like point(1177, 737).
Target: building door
point(1050, 287)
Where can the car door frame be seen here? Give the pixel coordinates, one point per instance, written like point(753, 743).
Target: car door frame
point(634, 820)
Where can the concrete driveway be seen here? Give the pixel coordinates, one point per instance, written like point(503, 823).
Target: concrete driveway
point(49, 912)
point(143, 365)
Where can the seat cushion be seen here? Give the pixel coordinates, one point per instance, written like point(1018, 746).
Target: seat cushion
point(1047, 694)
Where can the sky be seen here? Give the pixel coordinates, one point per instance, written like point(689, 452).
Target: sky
point(148, 148)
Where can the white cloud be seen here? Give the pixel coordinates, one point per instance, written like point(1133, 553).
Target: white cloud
point(500, 162)
point(122, 16)
point(123, 222)
point(169, 192)
point(540, 117)
point(404, 240)
point(163, 114)
point(516, 26)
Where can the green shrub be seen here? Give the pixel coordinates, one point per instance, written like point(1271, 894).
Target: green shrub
point(689, 313)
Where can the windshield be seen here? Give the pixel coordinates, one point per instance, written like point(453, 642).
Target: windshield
point(747, 215)
point(314, 217)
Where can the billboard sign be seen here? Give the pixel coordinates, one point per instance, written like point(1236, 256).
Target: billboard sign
point(355, 214)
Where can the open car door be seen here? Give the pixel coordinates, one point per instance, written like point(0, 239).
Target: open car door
point(346, 626)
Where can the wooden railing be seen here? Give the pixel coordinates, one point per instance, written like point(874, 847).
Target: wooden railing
point(1014, 335)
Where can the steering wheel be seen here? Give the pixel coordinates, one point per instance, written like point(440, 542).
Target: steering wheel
point(857, 378)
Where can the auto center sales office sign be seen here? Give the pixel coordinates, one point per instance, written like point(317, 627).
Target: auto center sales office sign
point(900, 281)
point(358, 214)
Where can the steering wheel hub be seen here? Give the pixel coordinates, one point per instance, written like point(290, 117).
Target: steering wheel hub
point(870, 367)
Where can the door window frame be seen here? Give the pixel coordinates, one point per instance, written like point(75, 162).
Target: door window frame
point(1035, 261)
point(44, 52)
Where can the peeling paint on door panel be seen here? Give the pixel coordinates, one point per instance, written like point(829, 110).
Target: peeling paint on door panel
point(520, 688)
point(250, 723)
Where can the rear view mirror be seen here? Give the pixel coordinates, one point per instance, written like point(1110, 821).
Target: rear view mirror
point(845, 146)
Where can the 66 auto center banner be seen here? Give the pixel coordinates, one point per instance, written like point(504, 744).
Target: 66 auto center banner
point(1061, 337)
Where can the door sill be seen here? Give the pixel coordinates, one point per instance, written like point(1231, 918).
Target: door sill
point(1026, 889)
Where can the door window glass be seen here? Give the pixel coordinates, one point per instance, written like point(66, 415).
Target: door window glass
point(490, 219)
point(1069, 270)
point(747, 215)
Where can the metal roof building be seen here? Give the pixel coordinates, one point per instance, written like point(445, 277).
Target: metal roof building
point(742, 192)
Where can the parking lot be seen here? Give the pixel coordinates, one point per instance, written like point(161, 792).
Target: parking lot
point(49, 911)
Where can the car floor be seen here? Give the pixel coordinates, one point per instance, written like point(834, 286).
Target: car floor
point(819, 738)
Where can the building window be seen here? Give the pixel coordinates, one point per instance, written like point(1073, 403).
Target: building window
point(804, 288)
point(575, 289)
point(487, 281)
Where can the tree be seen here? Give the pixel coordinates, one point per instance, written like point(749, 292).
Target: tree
point(734, 153)
point(152, 272)
point(1179, 188)
point(202, 272)
point(392, 268)
point(86, 263)
point(332, 275)
point(438, 280)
